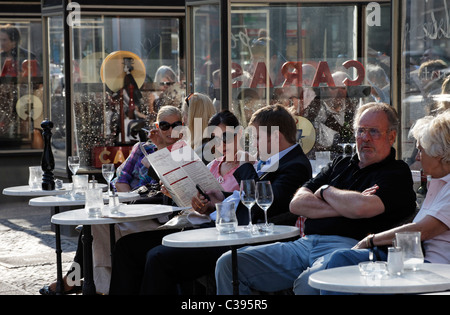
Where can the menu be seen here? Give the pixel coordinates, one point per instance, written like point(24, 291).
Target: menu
point(180, 169)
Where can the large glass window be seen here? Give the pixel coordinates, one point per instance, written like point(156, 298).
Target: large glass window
point(21, 89)
point(426, 66)
point(123, 70)
point(320, 63)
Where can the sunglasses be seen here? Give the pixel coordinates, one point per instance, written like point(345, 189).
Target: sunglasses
point(227, 137)
point(164, 125)
point(187, 99)
point(166, 83)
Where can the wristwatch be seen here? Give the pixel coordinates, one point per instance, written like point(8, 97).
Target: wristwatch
point(322, 189)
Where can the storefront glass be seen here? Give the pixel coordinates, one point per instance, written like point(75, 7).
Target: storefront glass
point(21, 89)
point(123, 70)
point(272, 43)
point(426, 66)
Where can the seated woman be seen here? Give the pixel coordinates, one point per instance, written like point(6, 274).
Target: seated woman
point(133, 174)
point(433, 219)
point(224, 166)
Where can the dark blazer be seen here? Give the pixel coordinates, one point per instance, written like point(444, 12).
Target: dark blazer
point(293, 170)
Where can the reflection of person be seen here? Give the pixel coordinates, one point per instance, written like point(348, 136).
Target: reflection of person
point(162, 271)
point(433, 141)
point(332, 116)
point(350, 198)
point(12, 56)
point(165, 77)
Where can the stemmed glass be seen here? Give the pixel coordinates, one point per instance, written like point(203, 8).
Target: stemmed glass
point(108, 173)
point(264, 199)
point(74, 164)
point(248, 198)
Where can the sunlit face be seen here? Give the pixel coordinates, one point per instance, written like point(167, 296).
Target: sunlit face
point(229, 141)
point(430, 165)
point(165, 83)
point(264, 142)
point(373, 137)
point(166, 135)
point(5, 43)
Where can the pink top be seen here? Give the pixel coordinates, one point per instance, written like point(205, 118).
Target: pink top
point(228, 181)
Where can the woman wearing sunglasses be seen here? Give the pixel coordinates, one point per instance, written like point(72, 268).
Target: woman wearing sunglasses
point(226, 142)
point(131, 175)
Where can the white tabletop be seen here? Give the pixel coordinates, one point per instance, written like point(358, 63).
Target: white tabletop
point(430, 278)
point(25, 190)
point(59, 201)
point(127, 213)
point(210, 237)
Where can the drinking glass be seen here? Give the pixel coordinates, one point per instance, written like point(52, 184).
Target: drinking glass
point(264, 199)
point(410, 243)
point(94, 202)
point(74, 164)
point(226, 221)
point(35, 177)
point(108, 173)
point(248, 198)
point(395, 261)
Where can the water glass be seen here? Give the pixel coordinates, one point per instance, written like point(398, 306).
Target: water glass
point(35, 177)
point(410, 243)
point(80, 184)
point(114, 204)
point(94, 202)
point(226, 221)
point(395, 261)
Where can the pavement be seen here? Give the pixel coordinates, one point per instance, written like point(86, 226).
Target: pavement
point(27, 247)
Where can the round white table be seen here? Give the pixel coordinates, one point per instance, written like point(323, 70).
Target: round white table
point(25, 190)
point(210, 237)
point(63, 200)
point(127, 213)
point(429, 278)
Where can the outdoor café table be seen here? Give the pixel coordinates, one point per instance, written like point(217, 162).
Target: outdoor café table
point(210, 237)
point(429, 278)
point(127, 213)
point(25, 190)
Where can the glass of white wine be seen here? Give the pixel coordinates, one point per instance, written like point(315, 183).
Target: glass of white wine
point(108, 174)
point(248, 198)
point(264, 199)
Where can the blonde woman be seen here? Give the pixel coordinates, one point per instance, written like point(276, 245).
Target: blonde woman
point(198, 111)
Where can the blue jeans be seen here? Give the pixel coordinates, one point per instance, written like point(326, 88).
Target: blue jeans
point(275, 267)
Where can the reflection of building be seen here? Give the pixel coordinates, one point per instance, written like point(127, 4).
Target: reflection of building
point(243, 76)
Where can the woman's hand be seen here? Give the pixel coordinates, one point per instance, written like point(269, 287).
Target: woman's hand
point(204, 206)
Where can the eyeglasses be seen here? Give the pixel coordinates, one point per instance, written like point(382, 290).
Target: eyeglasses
point(227, 137)
point(166, 83)
point(164, 125)
point(374, 133)
point(188, 98)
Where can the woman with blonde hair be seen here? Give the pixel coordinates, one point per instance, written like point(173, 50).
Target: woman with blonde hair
point(198, 110)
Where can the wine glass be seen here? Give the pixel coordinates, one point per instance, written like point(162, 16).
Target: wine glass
point(264, 199)
point(108, 173)
point(247, 194)
point(74, 164)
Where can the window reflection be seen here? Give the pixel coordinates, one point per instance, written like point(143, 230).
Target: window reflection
point(21, 104)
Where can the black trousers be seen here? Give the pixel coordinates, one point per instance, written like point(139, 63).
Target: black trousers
point(143, 266)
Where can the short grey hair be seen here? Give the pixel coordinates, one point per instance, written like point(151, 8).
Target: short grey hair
point(165, 71)
point(433, 134)
point(168, 110)
point(391, 114)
